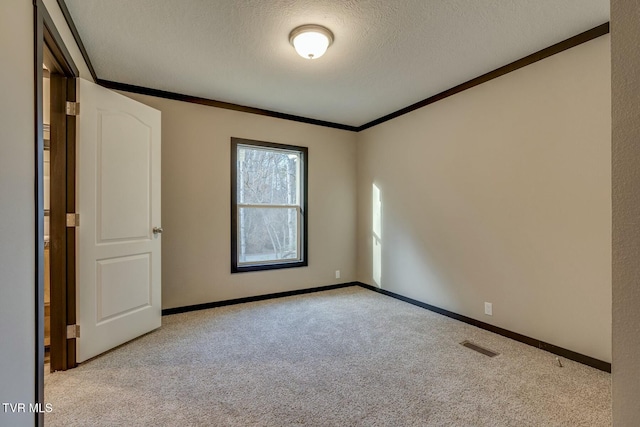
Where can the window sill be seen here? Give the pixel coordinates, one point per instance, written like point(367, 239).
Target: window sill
point(261, 267)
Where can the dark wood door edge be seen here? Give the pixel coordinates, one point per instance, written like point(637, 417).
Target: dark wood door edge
point(57, 226)
point(45, 34)
point(70, 189)
point(38, 25)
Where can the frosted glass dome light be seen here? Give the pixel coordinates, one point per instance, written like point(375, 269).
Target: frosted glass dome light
point(311, 41)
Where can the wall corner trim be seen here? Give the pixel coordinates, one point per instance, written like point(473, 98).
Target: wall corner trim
point(219, 104)
point(574, 41)
point(560, 351)
point(76, 37)
point(214, 304)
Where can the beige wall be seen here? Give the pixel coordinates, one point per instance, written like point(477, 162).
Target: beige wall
point(196, 259)
point(528, 192)
point(625, 56)
point(17, 207)
point(502, 194)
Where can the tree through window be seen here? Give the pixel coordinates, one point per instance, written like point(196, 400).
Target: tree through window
point(268, 205)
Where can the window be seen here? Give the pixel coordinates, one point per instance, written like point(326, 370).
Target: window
point(268, 205)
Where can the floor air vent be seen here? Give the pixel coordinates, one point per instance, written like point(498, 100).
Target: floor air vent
point(479, 349)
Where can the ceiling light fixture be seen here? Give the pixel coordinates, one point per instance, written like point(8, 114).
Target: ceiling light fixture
point(311, 41)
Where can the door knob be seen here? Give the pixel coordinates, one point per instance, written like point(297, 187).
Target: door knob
point(157, 230)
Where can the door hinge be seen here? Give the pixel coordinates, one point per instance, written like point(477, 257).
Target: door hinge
point(73, 331)
point(72, 108)
point(73, 220)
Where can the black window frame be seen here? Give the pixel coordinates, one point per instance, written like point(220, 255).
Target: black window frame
point(304, 217)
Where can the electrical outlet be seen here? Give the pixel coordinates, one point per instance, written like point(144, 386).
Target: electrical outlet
point(337, 274)
point(488, 308)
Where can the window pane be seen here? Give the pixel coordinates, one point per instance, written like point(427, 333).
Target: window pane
point(267, 234)
point(269, 199)
point(267, 176)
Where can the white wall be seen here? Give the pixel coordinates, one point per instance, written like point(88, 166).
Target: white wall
point(17, 207)
point(625, 55)
point(502, 194)
point(196, 260)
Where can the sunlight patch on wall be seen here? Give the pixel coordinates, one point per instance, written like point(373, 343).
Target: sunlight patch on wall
point(377, 235)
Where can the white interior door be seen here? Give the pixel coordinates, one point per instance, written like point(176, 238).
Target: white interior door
point(118, 252)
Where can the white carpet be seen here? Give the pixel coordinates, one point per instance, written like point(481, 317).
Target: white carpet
point(346, 357)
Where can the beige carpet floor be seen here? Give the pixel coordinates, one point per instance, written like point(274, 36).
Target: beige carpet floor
point(346, 357)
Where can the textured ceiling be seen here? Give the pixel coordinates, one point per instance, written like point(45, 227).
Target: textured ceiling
point(387, 54)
